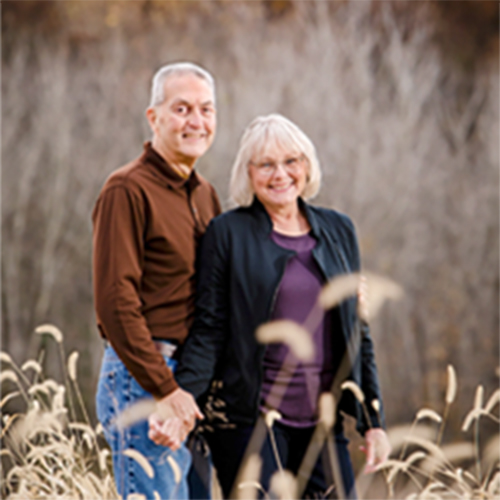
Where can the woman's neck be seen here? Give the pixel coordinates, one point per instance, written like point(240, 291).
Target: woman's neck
point(288, 220)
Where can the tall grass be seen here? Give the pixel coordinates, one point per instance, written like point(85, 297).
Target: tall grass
point(422, 467)
point(51, 450)
point(428, 469)
point(425, 468)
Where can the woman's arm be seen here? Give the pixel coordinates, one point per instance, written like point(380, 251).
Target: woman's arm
point(203, 344)
point(369, 375)
point(377, 446)
point(207, 336)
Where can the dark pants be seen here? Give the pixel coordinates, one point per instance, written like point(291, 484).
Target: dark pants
point(228, 447)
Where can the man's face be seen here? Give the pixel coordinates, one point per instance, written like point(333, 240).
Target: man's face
point(184, 124)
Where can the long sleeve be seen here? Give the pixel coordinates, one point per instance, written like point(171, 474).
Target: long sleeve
point(119, 220)
point(369, 375)
point(208, 334)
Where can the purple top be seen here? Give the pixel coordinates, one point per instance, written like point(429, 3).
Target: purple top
point(289, 385)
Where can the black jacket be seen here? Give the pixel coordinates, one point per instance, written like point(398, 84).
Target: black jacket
point(240, 269)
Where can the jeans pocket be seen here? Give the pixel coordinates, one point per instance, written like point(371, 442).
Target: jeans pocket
point(117, 390)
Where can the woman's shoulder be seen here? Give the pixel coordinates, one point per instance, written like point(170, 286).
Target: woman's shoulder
point(227, 229)
point(333, 217)
point(229, 224)
point(232, 218)
point(338, 226)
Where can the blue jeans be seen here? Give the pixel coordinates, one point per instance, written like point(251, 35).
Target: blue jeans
point(117, 390)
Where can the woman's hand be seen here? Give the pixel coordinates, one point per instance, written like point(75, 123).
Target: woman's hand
point(183, 406)
point(377, 449)
point(174, 419)
point(170, 432)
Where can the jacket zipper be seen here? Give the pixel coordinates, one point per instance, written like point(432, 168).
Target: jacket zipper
point(269, 314)
point(275, 294)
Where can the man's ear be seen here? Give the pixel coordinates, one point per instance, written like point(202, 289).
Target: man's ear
point(151, 116)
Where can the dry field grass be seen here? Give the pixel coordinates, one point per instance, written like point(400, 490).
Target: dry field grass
point(50, 449)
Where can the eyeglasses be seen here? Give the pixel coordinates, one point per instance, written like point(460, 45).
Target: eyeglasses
point(291, 165)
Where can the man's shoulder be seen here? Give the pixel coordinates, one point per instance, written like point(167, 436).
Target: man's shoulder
point(128, 176)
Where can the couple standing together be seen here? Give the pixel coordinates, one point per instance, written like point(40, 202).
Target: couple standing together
point(187, 338)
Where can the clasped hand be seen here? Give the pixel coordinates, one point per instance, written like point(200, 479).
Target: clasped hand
point(174, 419)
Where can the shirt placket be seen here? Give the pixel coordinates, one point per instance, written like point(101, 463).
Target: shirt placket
point(194, 212)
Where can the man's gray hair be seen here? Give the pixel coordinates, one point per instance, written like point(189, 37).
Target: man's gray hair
point(181, 68)
point(266, 133)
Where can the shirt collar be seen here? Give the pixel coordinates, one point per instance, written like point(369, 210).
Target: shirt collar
point(263, 216)
point(173, 179)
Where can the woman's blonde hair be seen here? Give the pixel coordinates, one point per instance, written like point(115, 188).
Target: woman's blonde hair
point(263, 134)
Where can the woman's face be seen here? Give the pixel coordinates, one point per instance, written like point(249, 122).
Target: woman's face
point(278, 177)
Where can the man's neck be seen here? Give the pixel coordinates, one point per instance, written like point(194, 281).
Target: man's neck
point(183, 168)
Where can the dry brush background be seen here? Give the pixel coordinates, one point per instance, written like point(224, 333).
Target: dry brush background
point(400, 98)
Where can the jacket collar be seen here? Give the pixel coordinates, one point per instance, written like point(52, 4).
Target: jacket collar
point(166, 172)
point(265, 220)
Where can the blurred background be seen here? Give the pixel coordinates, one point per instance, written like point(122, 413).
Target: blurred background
point(400, 98)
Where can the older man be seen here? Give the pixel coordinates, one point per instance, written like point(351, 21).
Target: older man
point(148, 220)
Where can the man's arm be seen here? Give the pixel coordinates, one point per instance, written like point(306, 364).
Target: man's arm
point(172, 431)
point(118, 257)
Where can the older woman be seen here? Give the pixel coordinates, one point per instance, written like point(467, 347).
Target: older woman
point(268, 260)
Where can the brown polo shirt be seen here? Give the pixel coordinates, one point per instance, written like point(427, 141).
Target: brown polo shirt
point(147, 223)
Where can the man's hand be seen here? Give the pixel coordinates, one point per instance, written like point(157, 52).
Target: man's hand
point(170, 432)
point(174, 419)
point(377, 449)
